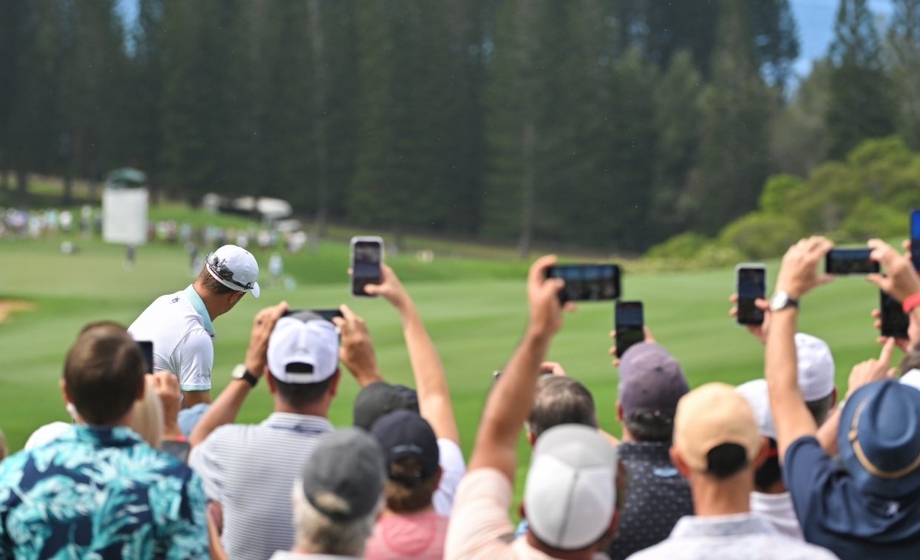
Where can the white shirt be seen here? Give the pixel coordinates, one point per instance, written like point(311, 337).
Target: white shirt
point(777, 509)
point(181, 331)
point(453, 467)
point(251, 470)
point(728, 537)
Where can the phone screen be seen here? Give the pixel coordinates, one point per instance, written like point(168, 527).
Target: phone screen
point(587, 282)
point(328, 314)
point(850, 261)
point(365, 265)
point(752, 285)
point(147, 350)
point(915, 238)
point(895, 322)
point(629, 321)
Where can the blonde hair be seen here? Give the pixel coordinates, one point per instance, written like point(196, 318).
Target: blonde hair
point(147, 415)
point(322, 535)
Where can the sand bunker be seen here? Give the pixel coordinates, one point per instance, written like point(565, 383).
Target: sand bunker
point(8, 307)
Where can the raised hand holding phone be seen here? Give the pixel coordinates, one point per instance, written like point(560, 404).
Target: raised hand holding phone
point(366, 260)
point(751, 286)
point(629, 323)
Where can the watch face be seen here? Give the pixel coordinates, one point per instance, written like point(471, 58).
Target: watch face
point(238, 371)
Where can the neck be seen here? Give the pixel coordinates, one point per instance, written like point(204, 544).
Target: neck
point(584, 554)
point(777, 488)
point(713, 497)
point(320, 408)
point(427, 509)
point(211, 302)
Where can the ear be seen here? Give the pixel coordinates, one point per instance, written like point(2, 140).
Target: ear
point(235, 297)
point(521, 511)
point(834, 399)
point(63, 385)
point(679, 463)
point(764, 452)
point(334, 384)
point(141, 389)
point(619, 411)
point(530, 438)
point(270, 379)
point(439, 475)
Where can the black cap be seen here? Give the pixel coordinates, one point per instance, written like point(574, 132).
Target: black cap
point(403, 434)
point(378, 399)
point(344, 477)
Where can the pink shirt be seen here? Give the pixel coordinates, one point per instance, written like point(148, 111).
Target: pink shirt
point(419, 536)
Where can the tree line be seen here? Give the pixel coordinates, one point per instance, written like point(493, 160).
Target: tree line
point(612, 124)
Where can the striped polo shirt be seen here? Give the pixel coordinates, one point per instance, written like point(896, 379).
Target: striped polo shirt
point(250, 470)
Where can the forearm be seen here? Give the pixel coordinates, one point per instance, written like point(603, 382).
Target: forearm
point(791, 416)
point(430, 380)
point(222, 411)
point(509, 405)
point(827, 433)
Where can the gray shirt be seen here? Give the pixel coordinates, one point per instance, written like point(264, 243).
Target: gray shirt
point(728, 537)
point(250, 470)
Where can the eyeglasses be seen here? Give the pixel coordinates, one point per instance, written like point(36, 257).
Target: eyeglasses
point(219, 267)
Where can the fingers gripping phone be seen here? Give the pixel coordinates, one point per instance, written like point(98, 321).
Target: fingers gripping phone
point(366, 256)
point(587, 282)
point(852, 261)
point(629, 322)
point(895, 322)
point(751, 286)
point(915, 238)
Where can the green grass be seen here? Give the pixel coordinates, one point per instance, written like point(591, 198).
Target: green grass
point(475, 311)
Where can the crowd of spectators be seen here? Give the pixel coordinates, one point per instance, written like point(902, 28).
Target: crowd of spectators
point(778, 467)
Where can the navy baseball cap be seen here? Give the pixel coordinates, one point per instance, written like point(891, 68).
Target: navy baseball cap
point(651, 381)
point(879, 439)
point(380, 398)
point(402, 434)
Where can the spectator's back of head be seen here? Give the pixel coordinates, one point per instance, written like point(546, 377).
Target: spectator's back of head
point(104, 373)
point(411, 450)
point(303, 358)
point(715, 432)
point(651, 384)
point(560, 400)
point(379, 399)
point(570, 493)
point(879, 439)
point(816, 373)
point(340, 494)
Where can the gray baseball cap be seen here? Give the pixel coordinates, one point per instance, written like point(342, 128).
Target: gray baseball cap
point(344, 477)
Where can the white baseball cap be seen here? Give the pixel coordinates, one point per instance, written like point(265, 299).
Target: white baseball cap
point(755, 393)
point(303, 349)
point(912, 378)
point(570, 494)
point(816, 367)
point(235, 268)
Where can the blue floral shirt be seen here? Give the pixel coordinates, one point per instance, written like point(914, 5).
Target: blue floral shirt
point(100, 493)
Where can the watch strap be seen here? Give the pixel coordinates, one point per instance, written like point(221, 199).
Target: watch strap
point(910, 303)
point(249, 378)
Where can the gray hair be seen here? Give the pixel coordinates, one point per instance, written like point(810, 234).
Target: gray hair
point(322, 535)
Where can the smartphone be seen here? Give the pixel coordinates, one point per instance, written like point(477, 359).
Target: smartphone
point(498, 373)
point(587, 282)
point(629, 323)
point(146, 347)
point(178, 449)
point(751, 285)
point(327, 314)
point(366, 256)
point(915, 238)
point(894, 321)
point(850, 261)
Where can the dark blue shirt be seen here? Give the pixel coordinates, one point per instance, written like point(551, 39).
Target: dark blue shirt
point(657, 496)
point(100, 493)
point(836, 515)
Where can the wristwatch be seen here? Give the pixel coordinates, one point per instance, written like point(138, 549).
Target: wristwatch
point(240, 372)
point(781, 300)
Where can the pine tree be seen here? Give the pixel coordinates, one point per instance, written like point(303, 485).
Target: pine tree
point(904, 42)
point(861, 104)
point(736, 110)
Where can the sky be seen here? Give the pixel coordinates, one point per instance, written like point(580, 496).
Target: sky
point(814, 18)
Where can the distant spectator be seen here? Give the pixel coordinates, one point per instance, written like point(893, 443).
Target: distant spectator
point(432, 399)
point(298, 355)
point(409, 526)
point(99, 491)
point(571, 493)
point(651, 384)
point(181, 329)
point(866, 502)
point(338, 497)
point(717, 447)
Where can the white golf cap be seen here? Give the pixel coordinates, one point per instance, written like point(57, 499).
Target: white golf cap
point(235, 268)
point(912, 378)
point(816, 367)
point(303, 351)
point(570, 494)
point(755, 393)
point(46, 434)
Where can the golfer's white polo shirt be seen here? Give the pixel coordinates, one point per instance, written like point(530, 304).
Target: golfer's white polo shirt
point(181, 331)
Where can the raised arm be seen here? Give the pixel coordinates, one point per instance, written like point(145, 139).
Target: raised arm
point(511, 399)
point(228, 404)
point(900, 282)
point(797, 276)
point(430, 380)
